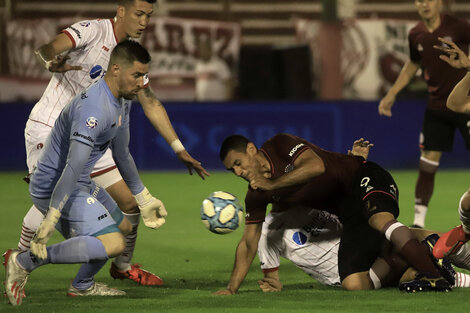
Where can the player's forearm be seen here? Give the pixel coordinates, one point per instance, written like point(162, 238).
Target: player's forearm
point(243, 259)
point(406, 75)
point(67, 183)
point(157, 115)
point(299, 175)
point(458, 100)
point(125, 162)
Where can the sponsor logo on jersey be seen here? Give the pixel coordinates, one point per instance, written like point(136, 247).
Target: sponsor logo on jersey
point(83, 96)
point(291, 153)
point(76, 31)
point(76, 134)
point(105, 48)
point(95, 71)
point(365, 181)
point(85, 24)
point(39, 146)
point(420, 47)
point(91, 122)
point(102, 216)
point(299, 238)
point(289, 168)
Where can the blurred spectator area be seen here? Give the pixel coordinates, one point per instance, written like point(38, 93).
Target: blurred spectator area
point(264, 22)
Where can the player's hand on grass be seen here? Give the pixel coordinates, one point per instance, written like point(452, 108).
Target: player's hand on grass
point(223, 292)
point(192, 164)
point(59, 65)
point(44, 233)
point(270, 284)
point(454, 56)
point(385, 105)
point(361, 148)
point(152, 209)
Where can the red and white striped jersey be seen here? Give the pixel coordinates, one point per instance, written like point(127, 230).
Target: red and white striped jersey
point(309, 239)
point(93, 42)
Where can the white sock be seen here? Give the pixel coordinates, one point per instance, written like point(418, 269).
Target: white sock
point(123, 261)
point(462, 280)
point(420, 214)
point(464, 216)
point(31, 223)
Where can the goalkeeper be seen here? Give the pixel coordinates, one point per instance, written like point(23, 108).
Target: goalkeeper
point(61, 188)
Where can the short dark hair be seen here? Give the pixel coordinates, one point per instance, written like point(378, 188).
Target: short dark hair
point(127, 2)
point(129, 51)
point(234, 142)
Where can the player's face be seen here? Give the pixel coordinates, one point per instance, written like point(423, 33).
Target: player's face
point(136, 18)
point(131, 79)
point(242, 164)
point(428, 9)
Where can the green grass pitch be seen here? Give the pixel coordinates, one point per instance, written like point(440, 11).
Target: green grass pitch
point(194, 262)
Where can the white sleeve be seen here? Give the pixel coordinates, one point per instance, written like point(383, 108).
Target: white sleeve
point(269, 248)
point(82, 33)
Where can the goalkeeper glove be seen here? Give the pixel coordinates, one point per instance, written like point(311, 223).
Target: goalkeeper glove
point(152, 210)
point(44, 233)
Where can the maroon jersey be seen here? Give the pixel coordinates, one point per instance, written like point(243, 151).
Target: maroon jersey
point(324, 192)
point(440, 76)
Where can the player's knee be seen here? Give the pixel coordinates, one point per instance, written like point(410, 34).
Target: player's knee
point(357, 282)
point(125, 227)
point(465, 202)
point(114, 244)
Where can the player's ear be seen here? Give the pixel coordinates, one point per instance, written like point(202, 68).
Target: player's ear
point(121, 11)
point(251, 148)
point(115, 69)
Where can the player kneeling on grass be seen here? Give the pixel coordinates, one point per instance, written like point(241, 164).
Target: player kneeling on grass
point(61, 188)
point(310, 240)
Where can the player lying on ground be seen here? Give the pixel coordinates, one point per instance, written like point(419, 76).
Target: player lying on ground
point(289, 171)
point(310, 240)
point(87, 46)
point(61, 187)
point(458, 101)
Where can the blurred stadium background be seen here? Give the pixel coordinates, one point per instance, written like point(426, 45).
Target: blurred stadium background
point(316, 68)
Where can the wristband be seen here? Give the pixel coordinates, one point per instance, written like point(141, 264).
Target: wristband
point(177, 146)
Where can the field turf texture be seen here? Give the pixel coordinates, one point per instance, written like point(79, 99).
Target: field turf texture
point(194, 262)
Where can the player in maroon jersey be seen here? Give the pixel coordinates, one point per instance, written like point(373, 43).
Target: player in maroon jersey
point(289, 171)
point(439, 124)
point(458, 101)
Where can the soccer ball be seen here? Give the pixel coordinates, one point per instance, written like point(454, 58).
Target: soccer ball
point(221, 212)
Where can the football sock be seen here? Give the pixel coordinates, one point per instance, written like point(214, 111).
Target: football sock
point(81, 249)
point(123, 261)
point(84, 278)
point(462, 280)
point(424, 189)
point(461, 258)
point(31, 222)
point(412, 251)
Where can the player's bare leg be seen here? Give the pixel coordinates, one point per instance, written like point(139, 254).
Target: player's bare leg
point(358, 281)
point(121, 267)
point(428, 164)
point(453, 242)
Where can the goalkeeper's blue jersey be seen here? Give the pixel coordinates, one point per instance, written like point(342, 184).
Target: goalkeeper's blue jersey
point(92, 118)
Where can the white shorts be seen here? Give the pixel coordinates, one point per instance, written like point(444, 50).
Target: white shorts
point(35, 135)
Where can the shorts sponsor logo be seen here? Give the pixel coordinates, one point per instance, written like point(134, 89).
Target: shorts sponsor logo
point(299, 238)
point(85, 24)
point(291, 153)
point(91, 122)
point(365, 181)
point(39, 146)
point(90, 200)
point(102, 216)
point(76, 134)
point(96, 71)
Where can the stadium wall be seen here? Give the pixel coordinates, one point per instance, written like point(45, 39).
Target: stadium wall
point(203, 126)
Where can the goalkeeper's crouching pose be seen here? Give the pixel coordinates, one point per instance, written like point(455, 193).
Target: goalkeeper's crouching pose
point(61, 187)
